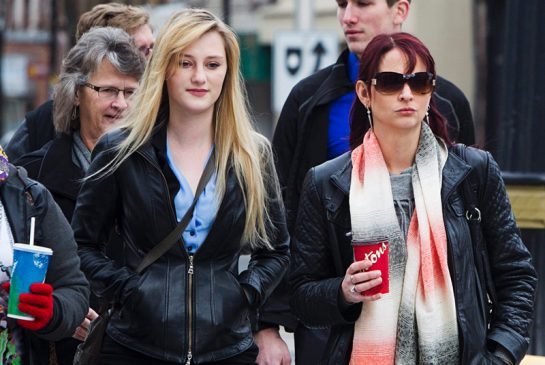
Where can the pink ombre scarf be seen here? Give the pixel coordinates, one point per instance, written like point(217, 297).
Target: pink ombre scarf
point(416, 322)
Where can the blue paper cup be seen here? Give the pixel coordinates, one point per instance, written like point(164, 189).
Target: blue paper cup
point(29, 267)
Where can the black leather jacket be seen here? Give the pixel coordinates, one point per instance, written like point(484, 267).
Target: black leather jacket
point(321, 253)
point(182, 304)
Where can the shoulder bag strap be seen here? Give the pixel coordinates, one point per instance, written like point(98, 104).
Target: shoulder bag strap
point(173, 237)
point(470, 188)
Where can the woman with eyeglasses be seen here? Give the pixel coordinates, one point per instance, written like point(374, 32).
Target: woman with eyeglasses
point(98, 77)
point(405, 184)
point(37, 128)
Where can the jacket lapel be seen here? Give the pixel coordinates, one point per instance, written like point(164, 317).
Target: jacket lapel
point(341, 185)
point(454, 172)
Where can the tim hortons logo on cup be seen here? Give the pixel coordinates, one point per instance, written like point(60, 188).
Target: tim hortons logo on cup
point(377, 253)
point(374, 256)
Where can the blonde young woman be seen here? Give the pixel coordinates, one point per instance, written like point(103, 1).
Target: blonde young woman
point(191, 305)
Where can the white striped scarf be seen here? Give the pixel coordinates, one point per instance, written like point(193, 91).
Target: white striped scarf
point(415, 323)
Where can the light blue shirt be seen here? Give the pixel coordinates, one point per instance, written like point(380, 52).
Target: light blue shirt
point(205, 211)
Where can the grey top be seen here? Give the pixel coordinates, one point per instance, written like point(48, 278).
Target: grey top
point(402, 191)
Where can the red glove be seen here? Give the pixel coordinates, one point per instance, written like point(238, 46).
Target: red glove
point(39, 304)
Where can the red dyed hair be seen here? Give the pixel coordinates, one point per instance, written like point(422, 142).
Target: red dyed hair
point(372, 56)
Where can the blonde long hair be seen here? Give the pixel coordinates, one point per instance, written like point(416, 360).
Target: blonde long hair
point(237, 144)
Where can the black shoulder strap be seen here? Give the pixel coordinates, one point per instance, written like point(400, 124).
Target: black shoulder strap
point(173, 237)
point(470, 193)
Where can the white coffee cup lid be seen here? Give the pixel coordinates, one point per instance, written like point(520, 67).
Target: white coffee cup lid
point(33, 248)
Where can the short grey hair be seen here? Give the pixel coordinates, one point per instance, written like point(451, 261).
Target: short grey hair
point(96, 45)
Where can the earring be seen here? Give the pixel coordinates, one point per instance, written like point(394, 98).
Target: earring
point(75, 113)
point(370, 118)
point(427, 116)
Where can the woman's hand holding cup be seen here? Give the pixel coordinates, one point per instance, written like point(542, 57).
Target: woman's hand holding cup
point(358, 280)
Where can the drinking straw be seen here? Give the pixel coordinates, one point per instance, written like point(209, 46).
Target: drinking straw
point(32, 223)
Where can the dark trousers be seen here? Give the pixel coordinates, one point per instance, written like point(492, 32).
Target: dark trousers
point(116, 354)
point(310, 345)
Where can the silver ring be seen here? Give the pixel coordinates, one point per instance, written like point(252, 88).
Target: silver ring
point(353, 289)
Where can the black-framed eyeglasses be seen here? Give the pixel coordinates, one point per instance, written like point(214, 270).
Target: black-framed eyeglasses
point(392, 82)
point(110, 92)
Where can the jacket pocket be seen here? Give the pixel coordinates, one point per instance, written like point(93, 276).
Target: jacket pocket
point(240, 288)
point(150, 291)
point(230, 307)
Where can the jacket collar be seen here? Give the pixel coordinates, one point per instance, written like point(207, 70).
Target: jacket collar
point(155, 150)
point(338, 78)
point(341, 178)
point(454, 172)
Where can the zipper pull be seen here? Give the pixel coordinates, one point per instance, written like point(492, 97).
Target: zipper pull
point(190, 270)
point(189, 354)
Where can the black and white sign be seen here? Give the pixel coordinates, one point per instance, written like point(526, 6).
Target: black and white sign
point(297, 55)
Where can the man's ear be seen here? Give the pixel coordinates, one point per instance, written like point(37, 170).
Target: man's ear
point(363, 94)
point(401, 12)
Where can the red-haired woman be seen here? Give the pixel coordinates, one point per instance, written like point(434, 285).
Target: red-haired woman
point(403, 182)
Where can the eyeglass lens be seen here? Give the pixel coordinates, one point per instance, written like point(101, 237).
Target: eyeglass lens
point(109, 92)
point(391, 82)
point(112, 92)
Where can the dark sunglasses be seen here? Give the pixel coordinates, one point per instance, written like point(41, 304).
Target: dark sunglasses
point(392, 82)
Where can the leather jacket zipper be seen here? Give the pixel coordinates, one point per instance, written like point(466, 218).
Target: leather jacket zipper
point(190, 310)
point(189, 270)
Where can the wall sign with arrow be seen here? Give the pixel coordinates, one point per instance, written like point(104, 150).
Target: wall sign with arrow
point(297, 55)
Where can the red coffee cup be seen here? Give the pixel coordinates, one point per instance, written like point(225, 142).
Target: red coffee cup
point(377, 253)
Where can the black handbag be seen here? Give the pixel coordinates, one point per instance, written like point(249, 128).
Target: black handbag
point(88, 352)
